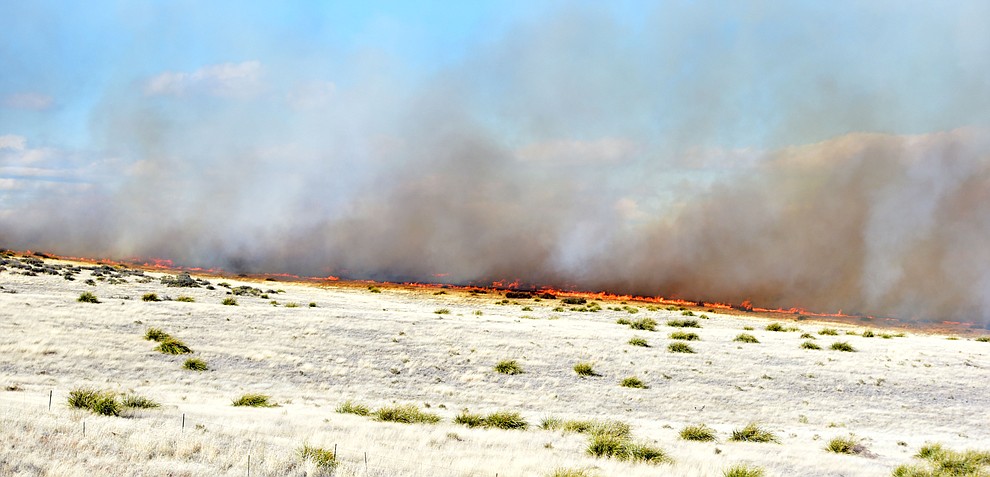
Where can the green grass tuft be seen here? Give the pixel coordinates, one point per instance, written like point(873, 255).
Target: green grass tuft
point(585, 369)
point(637, 341)
point(810, 345)
point(829, 332)
point(743, 470)
point(350, 407)
point(99, 402)
point(701, 433)
point(186, 299)
point(254, 400)
point(775, 327)
point(753, 433)
point(746, 338)
point(170, 345)
point(680, 335)
point(405, 414)
point(442, 311)
point(229, 301)
point(324, 459)
point(508, 366)
point(633, 382)
point(195, 364)
point(679, 347)
point(565, 472)
point(155, 334)
point(87, 297)
point(683, 323)
point(150, 297)
point(845, 445)
point(134, 401)
point(647, 324)
point(620, 448)
point(842, 346)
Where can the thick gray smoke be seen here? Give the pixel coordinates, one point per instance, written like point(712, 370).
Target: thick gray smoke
point(681, 159)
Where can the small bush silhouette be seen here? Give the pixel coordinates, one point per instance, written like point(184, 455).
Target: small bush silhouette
point(150, 297)
point(647, 324)
point(701, 433)
point(679, 348)
point(374, 289)
point(753, 433)
point(87, 297)
point(746, 338)
point(632, 382)
point(254, 400)
point(508, 366)
point(138, 402)
point(585, 369)
point(468, 419)
point(680, 335)
point(405, 414)
point(683, 323)
point(504, 420)
point(845, 445)
point(170, 345)
point(349, 407)
point(868, 334)
point(828, 331)
point(155, 334)
point(573, 300)
point(229, 301)
point(842, 346)
point(99, 402)
point(195, 364)
point(442, 311)
point(775, 327)
point(810, 345)
point(637, 341)
point(621, 448)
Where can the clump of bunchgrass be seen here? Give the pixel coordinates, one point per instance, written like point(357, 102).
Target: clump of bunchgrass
point(155, 334)
point(229, 301)
point(195, 364)
point(701, 433)
point(680, 335)
point(87, 297)
point(942, 462)
point(868, 334)
point(743, 470)
point(508, 366)
point(150, 297)
point(135, 401)
point(637, 341)
point(753, 433)
point(585, 369)
point(983, 339)
point(186, 299)
point(590, 427)
point(469, 419)
point(683, 323)
point(633, 382)
point(679, 347)
point(807, 336)
point(566, 472)
point(350, 407)
point(99, 402)
point(405, 414)
point(504, 420)
point(620, 448)
point(374, 289)
point(647, 324)
point(442, 311)
point(810, 345)
point(842, 346)
point(746, 338)
point(323, 459)
point(845, 445)
point(170, 345)
point(254, 400)
point(775, 327)
point(828, 331)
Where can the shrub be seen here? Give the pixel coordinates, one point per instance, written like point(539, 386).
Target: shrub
point(810, 345)
point(753, 433)
point(312, 304)
point(195, 364)
point(170, 345)
point(742, 470)
point(406, 414)
point(573, 300)
point(868, 334)
point(842, 346)
point(942, 462)
point(230, 301)
point(374, 289)
point(632, 382)
point(983, 339)
point(828, 331)
point(442, 311)
point(87, 297)
point(186, 299)
point(508, 366)
point(687, 313)
point(99, 402)
point(746, 338)
point(679, 348)
point(622, 449)
point(150, 297)
point(683, 323)
point(623, 321)
point(468, 419)
point(585, 369)
point(648, 324)
point(637, 341)
point(134, 401)
point(700, 433)
point(254, 400)
point(292, 305)
point(349, 407)
point(680, 335)
point(775, 327)
point(505, 420)
point(845, 445)
point(155, 334)
point(807, 336)
point(324, 459)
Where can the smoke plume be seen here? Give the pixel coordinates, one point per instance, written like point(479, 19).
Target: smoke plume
point(680, 158)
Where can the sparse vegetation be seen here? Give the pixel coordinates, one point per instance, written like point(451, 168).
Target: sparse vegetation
point(405, 414)
point(229, 301)
point(868, 334)
point(374, 289)
point(150, 297)
point(753, 433)
point(743, 470)
point(942, 462)
point(647, 324)
point(683, 323)
point(828, 331)
point(135, 401)
point(632, 382)
point(845, 445)
point(775, 327)
point(254, 400)
point(701, 433)
point(619, 448)
point(155, 334)
point(983, 339)
point(87, 297)
point(99, 402)
point(585, 369)
point(573, 300)
point(495, 420)
point(442, 311)
point(842, 346)
point(195, 364)
point(810, 345)
point(170, 345)
point(324, 459)
point(680, 335)
point(350, 407)
point(746, 338)
point(185, 299)
point(637, 341)
point(565, 472)
point(508, 366)
point(591, 427)
point(679, 347)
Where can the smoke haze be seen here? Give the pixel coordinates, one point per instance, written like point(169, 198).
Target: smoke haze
point(705, 154)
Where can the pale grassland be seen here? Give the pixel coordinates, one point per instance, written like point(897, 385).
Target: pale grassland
point(390, 348)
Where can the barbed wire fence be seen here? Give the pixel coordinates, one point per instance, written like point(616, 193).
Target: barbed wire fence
point(25, 408)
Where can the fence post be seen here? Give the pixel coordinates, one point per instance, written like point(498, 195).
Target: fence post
point(335, 452)
point(183, 422)
point(50, 393)
point(249, 465)
point(84, 428)
point(365, 461)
